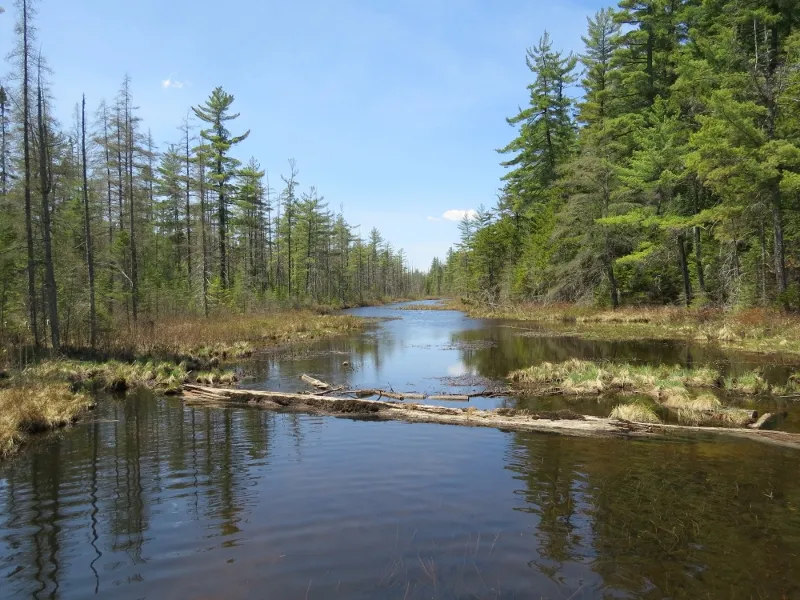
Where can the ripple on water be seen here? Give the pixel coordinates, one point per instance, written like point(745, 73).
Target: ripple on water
point(155, 499)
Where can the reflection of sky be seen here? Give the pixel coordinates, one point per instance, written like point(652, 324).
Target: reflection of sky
point(412, 352)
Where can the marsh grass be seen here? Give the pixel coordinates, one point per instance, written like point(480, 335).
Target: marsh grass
point(713, 418)
point(34, 408)
point(703, 402)
point(757, 330)
point(159, 356)
point(234, 336)
point(750, 383)
point(635, 412)
point(580, 378)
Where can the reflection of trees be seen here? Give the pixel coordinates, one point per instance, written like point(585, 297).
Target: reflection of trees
point(552, 492)
point(139, 452)
point(664, 519)
point(511, 350)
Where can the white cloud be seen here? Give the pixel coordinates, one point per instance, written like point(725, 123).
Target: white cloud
point(172, 83)
point(456, 214)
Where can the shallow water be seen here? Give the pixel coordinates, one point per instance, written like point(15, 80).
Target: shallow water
point(154, 499)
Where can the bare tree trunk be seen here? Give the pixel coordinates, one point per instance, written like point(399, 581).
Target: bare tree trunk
point(612, 281)
point(698, 252)
point(46, 184)
point(188, 209)
point(88, 232)
point(223, 254)
point(3, 144)
point(110, 298)
point(763, 239)
point(26, 145)
point(687, 282)
point(779, 252)
point(698, 260)
point(204, 249)
point(131, 206)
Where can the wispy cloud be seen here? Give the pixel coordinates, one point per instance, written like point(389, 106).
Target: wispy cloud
point(457, 214)
point(170, 83)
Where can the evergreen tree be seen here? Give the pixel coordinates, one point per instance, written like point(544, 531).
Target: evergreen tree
point(216, 112)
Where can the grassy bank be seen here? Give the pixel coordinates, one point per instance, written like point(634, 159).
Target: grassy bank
point(754, 330)
point(33, 408)
point(160, 356)
point(584, 378)
point(685, 392)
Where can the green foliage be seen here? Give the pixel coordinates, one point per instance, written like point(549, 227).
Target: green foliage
point(680, 184)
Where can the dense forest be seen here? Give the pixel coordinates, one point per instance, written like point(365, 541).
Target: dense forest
point(660, 165)
point(102, 229)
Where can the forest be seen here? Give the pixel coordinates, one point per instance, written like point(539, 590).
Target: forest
point(657, 166)
point(104, 229)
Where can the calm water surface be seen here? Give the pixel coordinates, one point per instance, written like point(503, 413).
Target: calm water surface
point(155, 499)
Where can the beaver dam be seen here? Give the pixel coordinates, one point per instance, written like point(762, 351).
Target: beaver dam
point(427, 456)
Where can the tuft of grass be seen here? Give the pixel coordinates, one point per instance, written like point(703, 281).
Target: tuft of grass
point(750, 383)
point(713, 418)
point(216, 377)
point(34, 408)
point(635, 413)
point(703, 402)
point(111, 376)
point(579, 377)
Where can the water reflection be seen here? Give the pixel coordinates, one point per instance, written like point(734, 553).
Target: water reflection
point(156, 499)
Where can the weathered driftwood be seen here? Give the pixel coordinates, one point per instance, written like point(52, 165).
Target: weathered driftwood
point(768, 420)
point(315, 382)
point(450, 397)
point(586, 426)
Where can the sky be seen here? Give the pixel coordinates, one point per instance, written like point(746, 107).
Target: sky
point(392, 109)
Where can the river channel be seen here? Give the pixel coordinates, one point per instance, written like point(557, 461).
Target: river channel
point(153, 498)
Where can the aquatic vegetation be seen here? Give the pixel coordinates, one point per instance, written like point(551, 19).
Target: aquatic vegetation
point(578, 377)
point(110, 376)
point(703, 402)
point(215, 377)
point(750, 383)
point(635, 412)
point(33, 408)
point(713, 418)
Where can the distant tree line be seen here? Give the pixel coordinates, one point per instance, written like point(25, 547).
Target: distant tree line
point(100, 229)
point(673, 178)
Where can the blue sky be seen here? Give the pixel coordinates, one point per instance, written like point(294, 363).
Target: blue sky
point(391, 109)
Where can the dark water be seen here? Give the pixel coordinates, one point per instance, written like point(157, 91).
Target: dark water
point(154, 499)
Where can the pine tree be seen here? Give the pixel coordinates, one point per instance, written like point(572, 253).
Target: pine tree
point(216, 112)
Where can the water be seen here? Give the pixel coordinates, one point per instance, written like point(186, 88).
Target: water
point(154, 499)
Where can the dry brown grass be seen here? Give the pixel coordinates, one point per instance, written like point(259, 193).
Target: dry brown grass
point(635, 412)
point(758, 330)
point(713, 418)
point(33, 408)
point(235, 335)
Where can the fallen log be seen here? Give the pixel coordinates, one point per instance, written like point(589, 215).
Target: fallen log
point(588, 426)
point(390, 394)
point(490, 394)
point(450, 397)
point(315, 382)
point(768, 420)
